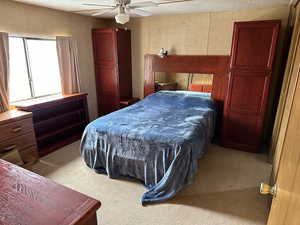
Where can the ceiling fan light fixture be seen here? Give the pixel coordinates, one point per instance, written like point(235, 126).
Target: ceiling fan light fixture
point(122, 18)
point(125, 8)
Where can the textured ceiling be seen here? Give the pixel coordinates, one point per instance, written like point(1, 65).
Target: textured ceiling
point(184, 7)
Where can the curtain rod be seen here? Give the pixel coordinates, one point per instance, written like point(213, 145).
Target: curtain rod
point(33, 38)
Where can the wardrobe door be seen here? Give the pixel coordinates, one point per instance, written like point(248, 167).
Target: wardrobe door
point(252, 57)
point(106, 71)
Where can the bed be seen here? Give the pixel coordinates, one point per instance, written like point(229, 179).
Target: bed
point(158, 141)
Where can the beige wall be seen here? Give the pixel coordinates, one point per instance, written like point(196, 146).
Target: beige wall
point(191, 34)
point(27, 20)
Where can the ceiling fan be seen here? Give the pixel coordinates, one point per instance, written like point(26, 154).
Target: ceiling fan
point(124, 8)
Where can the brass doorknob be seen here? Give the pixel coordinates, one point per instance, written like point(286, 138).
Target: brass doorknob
point(266, 189)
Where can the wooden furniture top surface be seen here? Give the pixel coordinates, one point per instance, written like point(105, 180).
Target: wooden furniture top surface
point(29, 199)
point(13, 115)
point(47, 102)
point(129, 101)
point(164, 83)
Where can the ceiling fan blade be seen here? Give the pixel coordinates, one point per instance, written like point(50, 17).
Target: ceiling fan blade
point(87, 11)
point(99, 13)
point(170, 2)
point(140, 12)
point(103, 6)
point(143, 4)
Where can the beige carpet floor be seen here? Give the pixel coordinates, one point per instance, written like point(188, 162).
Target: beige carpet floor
point(225, 191)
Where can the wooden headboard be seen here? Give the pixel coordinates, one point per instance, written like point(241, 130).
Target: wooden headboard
point(201, 87)
point(216, 65)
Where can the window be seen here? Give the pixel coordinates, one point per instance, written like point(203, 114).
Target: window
point(34, 69)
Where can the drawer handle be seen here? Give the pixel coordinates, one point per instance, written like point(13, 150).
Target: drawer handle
point(17, 129)
point(9, 148)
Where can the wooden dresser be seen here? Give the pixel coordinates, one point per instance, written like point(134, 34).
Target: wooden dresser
point(112, 58)
point(17, 134)
point(29, 199)
point(57, 121)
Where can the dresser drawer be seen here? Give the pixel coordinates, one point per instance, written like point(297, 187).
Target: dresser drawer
point(15, 129)
point(21, 142)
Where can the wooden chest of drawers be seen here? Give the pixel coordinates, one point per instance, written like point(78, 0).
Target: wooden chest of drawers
point(16, 133)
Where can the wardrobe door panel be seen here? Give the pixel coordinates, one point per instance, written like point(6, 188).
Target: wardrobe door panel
point(108, 84)
point(104, 47)
point(252, 56)
point(107, 89)
point(107, 104)
point(247, 92)
point(243, 131)
point(254, 44)
point(246, 55)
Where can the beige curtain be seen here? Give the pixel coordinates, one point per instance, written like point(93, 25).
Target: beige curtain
point(4, 72)
point(68, 64)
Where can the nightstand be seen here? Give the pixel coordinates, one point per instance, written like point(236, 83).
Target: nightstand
point(128, 102)
point(170, 86)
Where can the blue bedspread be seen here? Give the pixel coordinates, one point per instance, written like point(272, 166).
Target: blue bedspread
point(157, 140)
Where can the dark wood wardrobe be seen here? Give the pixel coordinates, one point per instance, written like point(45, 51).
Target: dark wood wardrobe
point(112, 57)
point(252, 57)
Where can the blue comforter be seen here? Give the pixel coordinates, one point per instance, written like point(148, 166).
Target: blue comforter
point(157, 140)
